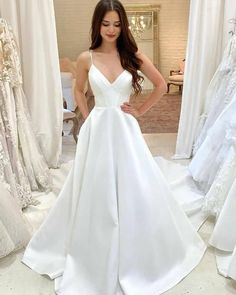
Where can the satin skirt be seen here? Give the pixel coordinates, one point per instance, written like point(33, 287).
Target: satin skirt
point(116, 228)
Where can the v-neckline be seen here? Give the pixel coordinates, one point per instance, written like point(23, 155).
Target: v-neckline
point(111, 83)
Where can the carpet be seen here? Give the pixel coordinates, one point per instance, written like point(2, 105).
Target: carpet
point(163, 117)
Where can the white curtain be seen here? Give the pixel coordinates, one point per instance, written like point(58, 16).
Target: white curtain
point(34, 25)
point(204, 50)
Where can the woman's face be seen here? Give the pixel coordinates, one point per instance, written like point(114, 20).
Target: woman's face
point(110, 26)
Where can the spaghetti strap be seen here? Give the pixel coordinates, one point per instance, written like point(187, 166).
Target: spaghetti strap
point(91, 56)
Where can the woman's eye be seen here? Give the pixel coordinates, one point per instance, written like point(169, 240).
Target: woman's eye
point(115, 25)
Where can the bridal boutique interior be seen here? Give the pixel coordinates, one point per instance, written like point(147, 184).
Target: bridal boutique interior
point(35, 158)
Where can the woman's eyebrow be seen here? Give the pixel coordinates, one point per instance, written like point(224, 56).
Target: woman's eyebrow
point(107, 21)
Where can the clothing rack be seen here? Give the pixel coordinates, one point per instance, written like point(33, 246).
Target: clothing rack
point(232, 21)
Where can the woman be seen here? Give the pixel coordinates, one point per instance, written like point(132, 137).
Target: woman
point(115, 229)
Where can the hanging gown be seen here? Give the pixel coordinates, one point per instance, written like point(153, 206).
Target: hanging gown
point(14, 230)
point(22, 165)
point(225, 176)
point(214, 164)
point(219, 93)
point(223, 237)
point(115, 228)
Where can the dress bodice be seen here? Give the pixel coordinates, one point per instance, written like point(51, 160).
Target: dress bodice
point(109, 94)
point(10, 68)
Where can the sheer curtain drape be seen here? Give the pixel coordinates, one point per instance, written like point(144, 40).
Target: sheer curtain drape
point(34, 24)
point(207, 38)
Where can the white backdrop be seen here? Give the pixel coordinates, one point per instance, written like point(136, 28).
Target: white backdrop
point(207, 37)
point(33, 23)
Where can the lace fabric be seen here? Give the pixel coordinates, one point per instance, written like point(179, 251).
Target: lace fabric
point(226, 173)
point(14, 230)
point(10, 67)
point(213, 151)
point(219, 93)
point(220, 188)
point(22, 165)
point(12, 169)
point(213, 166)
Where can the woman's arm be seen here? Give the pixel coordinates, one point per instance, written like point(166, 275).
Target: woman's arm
point(149, 70)
point(82, 67)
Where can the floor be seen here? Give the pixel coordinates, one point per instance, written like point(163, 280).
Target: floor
point(17, 279)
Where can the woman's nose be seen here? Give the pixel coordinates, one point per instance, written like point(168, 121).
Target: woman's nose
point(111, 29)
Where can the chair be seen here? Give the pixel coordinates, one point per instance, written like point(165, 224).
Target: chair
point(73, 116)
point(67, 82)
point(70, 110)
point(177, 77)
point(68, 75)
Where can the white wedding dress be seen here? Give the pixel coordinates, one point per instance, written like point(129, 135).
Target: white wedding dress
point(14, 229)
point(223, 237)
point(115, 229)
point(22, 165)
point(219, 94)
point(214, 164)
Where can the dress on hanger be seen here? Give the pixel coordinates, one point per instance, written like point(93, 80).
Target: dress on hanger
point(219, 93)
point(214, 164)
point(22, 165)
point(223, 237)
point(115, 228)
point(14, 231)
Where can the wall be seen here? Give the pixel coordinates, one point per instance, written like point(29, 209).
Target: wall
point(73, 19)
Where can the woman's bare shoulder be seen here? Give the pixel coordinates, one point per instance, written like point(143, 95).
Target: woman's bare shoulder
point(85, 55)
point(84, 59)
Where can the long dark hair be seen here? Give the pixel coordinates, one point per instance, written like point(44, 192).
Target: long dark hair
point(126, 44)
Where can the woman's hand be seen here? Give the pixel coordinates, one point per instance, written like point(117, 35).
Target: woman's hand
point(128, 108)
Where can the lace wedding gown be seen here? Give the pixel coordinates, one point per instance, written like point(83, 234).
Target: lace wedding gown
point(223, 237)
point(214, 164)
point(115, 228)
point(14, 231)
point(22, 165)
point(219, 93)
